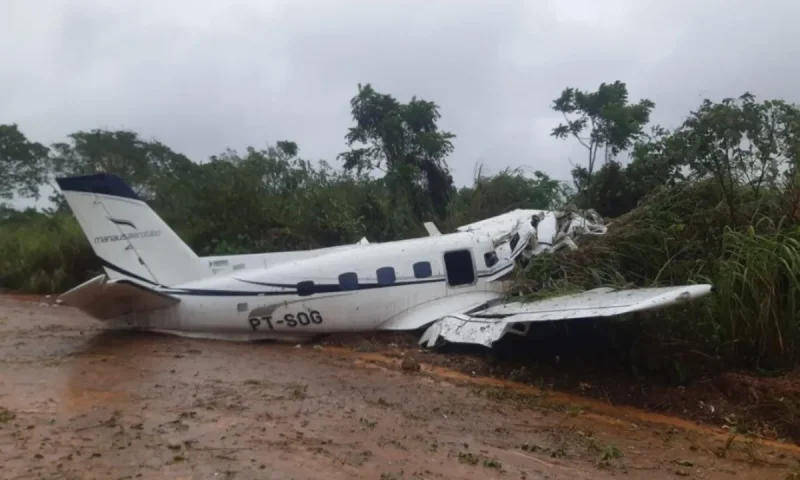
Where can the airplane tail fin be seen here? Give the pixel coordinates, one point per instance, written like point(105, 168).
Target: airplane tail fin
point(130, 239)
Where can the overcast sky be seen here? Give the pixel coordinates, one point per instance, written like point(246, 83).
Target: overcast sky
point(203, 75)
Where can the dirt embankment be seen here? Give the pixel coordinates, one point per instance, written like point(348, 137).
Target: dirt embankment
point(584, 365)
point(76, 402)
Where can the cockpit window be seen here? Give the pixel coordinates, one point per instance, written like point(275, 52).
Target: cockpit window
point(490, 258)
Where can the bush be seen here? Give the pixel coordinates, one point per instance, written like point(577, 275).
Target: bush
point(45, 255)
point(687, 234)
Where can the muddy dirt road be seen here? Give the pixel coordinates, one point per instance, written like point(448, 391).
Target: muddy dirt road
point(77, 402)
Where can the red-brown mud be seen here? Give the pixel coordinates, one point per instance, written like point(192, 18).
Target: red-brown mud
point(78, 402)
point(765, 407)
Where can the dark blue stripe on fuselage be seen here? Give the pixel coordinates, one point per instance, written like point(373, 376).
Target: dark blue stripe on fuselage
point(291, 288)
point(318, 289)
point(335, 287)
point(224, 293)
point(144, 288)
point(117, 269)
point(323, 288)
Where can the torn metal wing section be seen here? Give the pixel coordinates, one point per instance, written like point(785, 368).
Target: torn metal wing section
point(484, 327)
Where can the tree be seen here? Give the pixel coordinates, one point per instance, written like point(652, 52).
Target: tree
point(404, 141)
point(741, 142)
point(143, 164)
point(612, 122)
point(657, 160)
point(23, 164)
point(505, 191)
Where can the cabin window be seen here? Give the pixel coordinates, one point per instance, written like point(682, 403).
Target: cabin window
point(386, 276)
point(460, 270)
point(305, 288)
point(514, 241)
point(422, 270)
point(348, 281)
point(490, 258)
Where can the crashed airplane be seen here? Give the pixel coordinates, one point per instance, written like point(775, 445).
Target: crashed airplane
point(454, 284)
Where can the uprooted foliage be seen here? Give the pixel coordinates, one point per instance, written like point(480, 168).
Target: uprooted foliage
point(687, 234)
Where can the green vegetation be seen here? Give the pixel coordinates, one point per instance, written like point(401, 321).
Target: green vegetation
point(716, 199)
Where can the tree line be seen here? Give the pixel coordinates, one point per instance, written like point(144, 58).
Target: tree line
point(737, 141)
point(684, 200)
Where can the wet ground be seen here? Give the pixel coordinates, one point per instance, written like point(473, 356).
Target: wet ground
point(77, 402)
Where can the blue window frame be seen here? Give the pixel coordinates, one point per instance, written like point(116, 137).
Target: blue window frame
point(386, 276)
point(422, 270)
point(348, 281)
point(305, 288)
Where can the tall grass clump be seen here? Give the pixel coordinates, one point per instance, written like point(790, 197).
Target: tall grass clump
point(44, 255)
point(758, 295)
point(686, 235)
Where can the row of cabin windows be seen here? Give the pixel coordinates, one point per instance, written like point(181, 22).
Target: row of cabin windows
point(458, 264)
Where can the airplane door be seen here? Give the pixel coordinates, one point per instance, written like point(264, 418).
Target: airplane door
point(459, 270)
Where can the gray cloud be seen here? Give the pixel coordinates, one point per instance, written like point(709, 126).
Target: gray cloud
point(204, 75)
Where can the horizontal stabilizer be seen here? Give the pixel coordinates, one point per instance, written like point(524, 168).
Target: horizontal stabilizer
point(489, 325)
point(105, 300)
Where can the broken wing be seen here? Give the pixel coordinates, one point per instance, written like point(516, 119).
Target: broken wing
point(486, 326)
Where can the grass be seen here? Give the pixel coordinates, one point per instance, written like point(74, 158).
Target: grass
point(687, 235)
point(45, 255)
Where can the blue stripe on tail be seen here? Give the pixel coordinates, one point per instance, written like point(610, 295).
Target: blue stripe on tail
point(105, 183)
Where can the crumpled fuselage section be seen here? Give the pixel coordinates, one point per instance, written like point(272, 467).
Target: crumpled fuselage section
point(553, 231)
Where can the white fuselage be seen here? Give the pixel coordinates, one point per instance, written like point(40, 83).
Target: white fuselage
point(295, 295)
point(153, 280)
